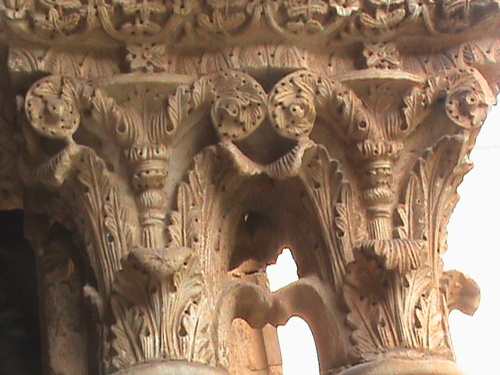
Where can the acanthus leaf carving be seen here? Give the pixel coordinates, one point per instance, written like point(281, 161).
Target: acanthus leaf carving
point(226, 16)
point(106, 221)
point(363, 318)
point(191, 223)
point(161, 248)
point(208, 21)
point(456, 16)
point(431, 326)
point(393, 312)
point(406, 288)
point(334, 205)
point(159, 309)
point(439, 172)
point(82, 65)
point(384, 18)
point(411, 212)
point(349, 221)
point(53, 107)
point(401, 255)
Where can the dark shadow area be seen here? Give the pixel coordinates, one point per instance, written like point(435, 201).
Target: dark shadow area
point(19, 320)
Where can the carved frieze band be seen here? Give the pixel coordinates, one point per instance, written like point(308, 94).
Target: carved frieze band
point(193, 22)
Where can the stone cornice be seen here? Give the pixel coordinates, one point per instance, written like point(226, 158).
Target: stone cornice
point(191, 24)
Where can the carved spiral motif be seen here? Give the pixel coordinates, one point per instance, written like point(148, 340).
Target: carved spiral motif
point(469, 97)
point(239, 105)
point(294, 117)
point(466, 108)
point(51, 107)
point(299, 97)
point(292, 108)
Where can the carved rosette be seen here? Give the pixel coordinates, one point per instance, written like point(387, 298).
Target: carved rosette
point(187, 142)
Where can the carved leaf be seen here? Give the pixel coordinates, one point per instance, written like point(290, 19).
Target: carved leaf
point(129, 327)
point(188, 65)
point(24, 60)
point(409, 305)
point(324, 181)
point(111, 116)
point(181, 231)
point(287, 56)
point(196, 341)
point(429, 322)
point(200, 92)
point(372, 317)
point(412, 212)
point(194, 320)
point(349, 222)
point(159, 309)
point(399, 255)
point(413, 287)
point(440, 171)
point(414, 105)
point(255, 56)
point(363, 320)
point(476, 54)
point(199, 216)
point(429, 199)
point(92, 67)
point(383, 20)
point(109, 228)
point(179, 105)
point(221, 23)
point(214, 62)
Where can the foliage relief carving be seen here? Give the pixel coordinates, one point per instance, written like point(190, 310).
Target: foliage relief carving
point(159, 248)
point(201, 21)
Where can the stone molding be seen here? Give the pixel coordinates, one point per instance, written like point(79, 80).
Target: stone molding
point(167, 151)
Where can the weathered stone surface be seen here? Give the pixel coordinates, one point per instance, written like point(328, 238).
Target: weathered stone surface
point(168, 150)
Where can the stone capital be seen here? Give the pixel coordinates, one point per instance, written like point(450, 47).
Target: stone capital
point(166, 151)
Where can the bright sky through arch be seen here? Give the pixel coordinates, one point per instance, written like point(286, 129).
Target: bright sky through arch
point(298, 350)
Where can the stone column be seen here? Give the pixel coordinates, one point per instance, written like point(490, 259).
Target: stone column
point(168, 150)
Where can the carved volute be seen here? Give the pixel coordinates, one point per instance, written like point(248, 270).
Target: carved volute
point(165, 152)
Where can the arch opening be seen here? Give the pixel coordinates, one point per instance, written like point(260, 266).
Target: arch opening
point(296, 341)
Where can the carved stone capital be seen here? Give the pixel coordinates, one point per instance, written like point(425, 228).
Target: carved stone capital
point(181, 145)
